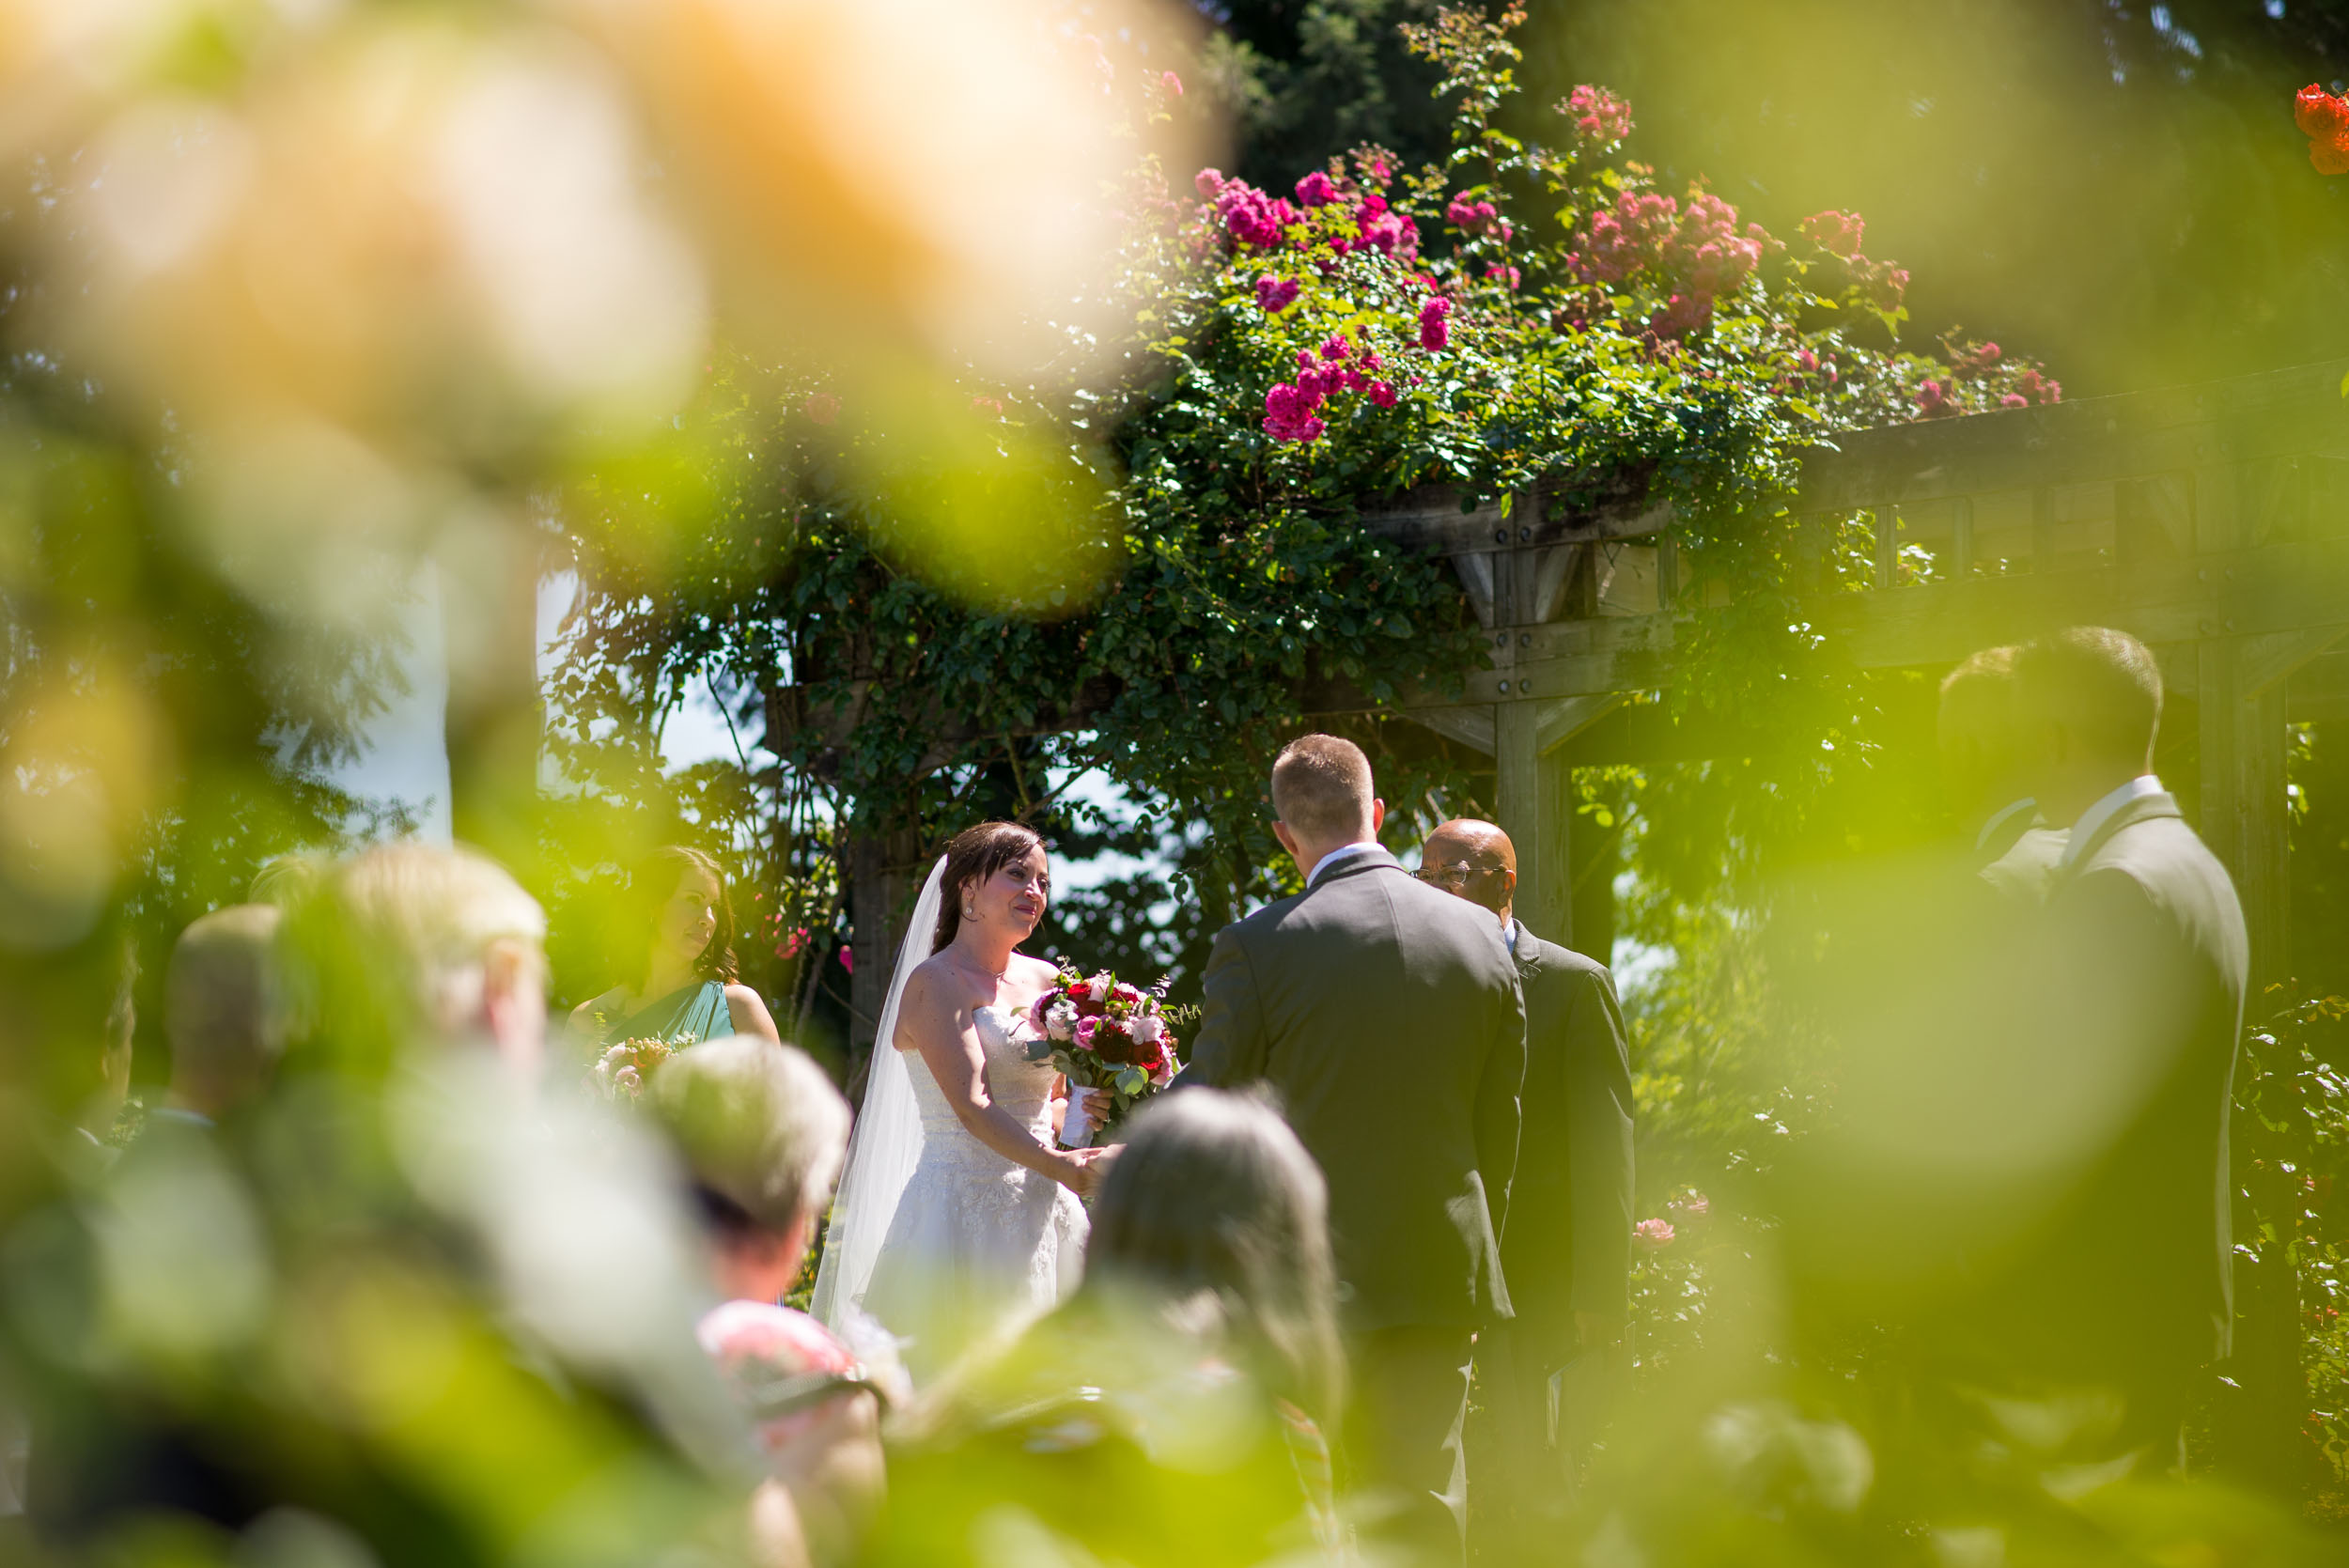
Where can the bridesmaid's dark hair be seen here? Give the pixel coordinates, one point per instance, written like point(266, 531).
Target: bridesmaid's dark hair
point(973, 855)
point(653, 884)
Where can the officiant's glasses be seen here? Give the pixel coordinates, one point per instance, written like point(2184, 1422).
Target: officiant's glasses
point(1453, 876)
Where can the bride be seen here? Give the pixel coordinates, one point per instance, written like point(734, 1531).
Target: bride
point(956, 1213)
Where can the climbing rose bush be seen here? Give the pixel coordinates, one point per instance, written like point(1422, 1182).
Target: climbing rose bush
point(1532, 310)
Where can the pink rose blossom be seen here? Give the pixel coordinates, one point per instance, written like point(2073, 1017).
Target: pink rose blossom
point(2014, 400)
point(1274, 295)
point(1654, 1232)
point(1382, 394)
point(1435, 332)
point(1335, 348)
point(1888, 287)
point(1507, 274)
point(1289, 413)
point(1598, 115)
point(1835, 232)
point(1695, 1205)
point(847, 958)
point(1315, 190)
point(1209, 183)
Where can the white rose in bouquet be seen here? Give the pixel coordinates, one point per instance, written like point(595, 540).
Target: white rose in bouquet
point(1060, 1020)
point(1146, 1028)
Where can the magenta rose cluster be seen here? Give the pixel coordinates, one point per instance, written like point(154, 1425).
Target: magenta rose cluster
point(1938, 397)
point(1598, 115)
point(1349, 217)
point(1696, 252)
point(1292, 409)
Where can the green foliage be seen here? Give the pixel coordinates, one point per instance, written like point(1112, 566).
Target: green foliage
point(2293, 1148)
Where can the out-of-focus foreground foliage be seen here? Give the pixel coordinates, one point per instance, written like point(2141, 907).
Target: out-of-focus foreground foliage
point(308, 309)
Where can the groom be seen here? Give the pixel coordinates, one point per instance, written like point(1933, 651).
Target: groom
point(1386, 1016)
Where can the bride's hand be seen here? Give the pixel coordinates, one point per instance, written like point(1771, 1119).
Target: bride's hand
point(1097, 1103)
point(1081, 1169)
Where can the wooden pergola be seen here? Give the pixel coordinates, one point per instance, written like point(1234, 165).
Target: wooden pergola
point(2203, 520)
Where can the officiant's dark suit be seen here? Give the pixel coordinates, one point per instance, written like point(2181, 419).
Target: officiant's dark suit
point(1568, 1247)
point(1386, 1016)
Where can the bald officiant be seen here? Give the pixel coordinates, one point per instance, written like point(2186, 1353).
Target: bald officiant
point(1566, 1249)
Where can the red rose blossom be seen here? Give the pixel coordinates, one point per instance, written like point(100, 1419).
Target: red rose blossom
point(2320, 116)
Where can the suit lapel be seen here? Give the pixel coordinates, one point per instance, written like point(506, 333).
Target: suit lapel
point(1528, 954)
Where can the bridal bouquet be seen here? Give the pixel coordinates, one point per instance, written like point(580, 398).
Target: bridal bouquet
point(1103, 1033)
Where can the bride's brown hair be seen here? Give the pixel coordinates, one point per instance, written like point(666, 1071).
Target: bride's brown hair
point(973, 855)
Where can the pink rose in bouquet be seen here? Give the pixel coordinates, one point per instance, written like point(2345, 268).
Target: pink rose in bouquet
point(623, 1067)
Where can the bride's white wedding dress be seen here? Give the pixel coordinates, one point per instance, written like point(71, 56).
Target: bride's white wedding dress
point(977, 1240)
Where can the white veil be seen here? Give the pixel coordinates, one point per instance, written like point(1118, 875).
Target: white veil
point(887, 1143)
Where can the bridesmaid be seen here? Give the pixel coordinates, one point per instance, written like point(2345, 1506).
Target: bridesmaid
point(687, 988)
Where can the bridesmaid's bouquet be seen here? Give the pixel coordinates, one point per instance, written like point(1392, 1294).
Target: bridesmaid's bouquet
point(623, 1068)
point(1103, 1033)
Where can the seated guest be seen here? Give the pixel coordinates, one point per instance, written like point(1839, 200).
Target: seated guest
point(397, 1192)
point(762, 1131)
point(1172, 1410)
point(217, 1012)
point(687, 989)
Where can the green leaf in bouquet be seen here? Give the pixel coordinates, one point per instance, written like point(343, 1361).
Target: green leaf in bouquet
point(1039, 1050)
point(1131, 1080)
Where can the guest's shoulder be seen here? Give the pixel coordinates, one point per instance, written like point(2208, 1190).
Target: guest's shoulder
point(761, 1333)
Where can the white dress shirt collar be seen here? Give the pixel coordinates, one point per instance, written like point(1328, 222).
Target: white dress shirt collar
point(2000, 817)
point(2095, 817)
point(1341, 852)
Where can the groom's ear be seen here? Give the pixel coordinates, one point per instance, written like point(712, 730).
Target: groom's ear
point(1377, 817)
point(1288, 840)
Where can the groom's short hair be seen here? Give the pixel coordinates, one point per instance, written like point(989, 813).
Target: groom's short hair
point(2103, 685)
point(1321, 789)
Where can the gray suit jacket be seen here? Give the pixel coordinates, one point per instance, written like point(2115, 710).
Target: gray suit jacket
point(2151, 963)
point(1568, 1246)
point(1385, 1014)
point(2019, 859)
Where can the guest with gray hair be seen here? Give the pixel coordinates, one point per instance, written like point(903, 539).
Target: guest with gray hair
point(760, 1131)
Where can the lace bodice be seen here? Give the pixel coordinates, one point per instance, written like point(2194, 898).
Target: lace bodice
point(1022, 1087)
